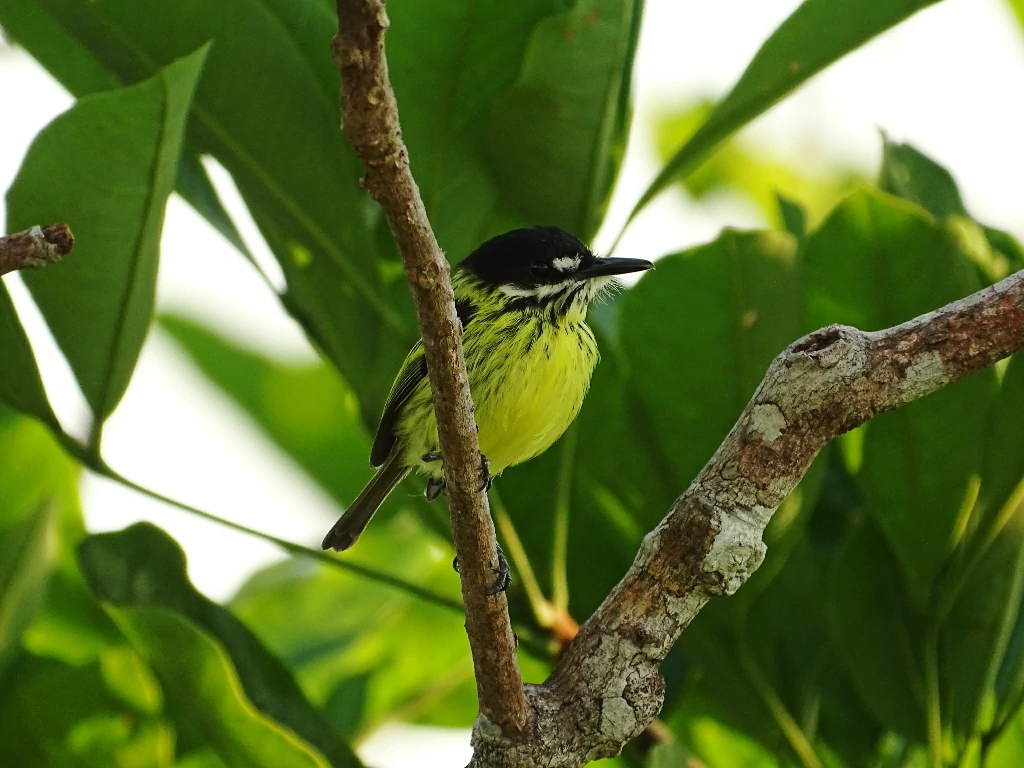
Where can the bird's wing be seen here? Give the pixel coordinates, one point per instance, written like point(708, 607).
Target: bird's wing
point(414, 370)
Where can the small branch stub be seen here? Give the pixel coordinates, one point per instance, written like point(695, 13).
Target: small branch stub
point(35, 247)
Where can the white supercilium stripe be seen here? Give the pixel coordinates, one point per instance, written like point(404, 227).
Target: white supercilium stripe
point(538, 292)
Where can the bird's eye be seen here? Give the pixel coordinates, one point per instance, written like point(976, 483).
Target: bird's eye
point(540, 269)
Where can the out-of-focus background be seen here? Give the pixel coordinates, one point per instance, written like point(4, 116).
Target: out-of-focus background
point(949, 81)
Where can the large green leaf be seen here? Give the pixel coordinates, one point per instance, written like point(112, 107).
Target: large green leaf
point(64, 716)
point(200, 683)
point(26, 553)
point(699, 332)
point(142, 567)
point(35, 473)
point(556, 137)
point(20, 384)
point(106, 167)
point(876, 262)
point(877, 635)
point(265, 113)
point(914, 176)
point(983, 631)
point(408, 655)
point(520, 116)
point(78, 70)
point(817, 33)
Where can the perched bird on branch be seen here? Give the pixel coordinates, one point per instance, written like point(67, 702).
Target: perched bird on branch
point(522, 298)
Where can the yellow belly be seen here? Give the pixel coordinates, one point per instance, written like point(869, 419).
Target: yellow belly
point(528, 380)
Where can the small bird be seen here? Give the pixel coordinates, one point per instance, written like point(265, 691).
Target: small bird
point(522, 298)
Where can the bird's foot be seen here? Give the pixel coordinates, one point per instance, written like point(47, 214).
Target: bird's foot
point(485, 474)
point(504, 575)
point(435, 487)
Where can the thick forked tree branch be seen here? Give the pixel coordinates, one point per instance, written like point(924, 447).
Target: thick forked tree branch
point(35, 247)
point(370, 123)
point(607, 688)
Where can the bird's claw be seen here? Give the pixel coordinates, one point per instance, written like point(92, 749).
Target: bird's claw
point(485, 474)
point(435, 487)
point(504, 576)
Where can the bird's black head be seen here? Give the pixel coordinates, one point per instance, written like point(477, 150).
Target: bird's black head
point(544, 264)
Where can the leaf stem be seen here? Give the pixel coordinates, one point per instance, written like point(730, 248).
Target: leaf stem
point(933, 703)
point(559, 555)
point(98, 466)
point(797, 739)
point(543, 611)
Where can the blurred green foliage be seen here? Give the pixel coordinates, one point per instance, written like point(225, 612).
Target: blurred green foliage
point(885, 627)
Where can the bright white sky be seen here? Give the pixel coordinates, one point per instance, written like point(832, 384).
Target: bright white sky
point(950, 81)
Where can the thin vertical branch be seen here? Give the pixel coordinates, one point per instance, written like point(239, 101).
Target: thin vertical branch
point(370, 123)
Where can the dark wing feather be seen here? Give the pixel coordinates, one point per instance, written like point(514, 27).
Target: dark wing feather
point(414, 370)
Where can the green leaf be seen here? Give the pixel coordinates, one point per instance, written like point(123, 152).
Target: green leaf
point(991, 600)
point(198, 679)
point(977, 632)
point(78, 70)
point(556, 138)
point(106, 167)
point(20, 384)
point(876, 633)
point(411, 653)
point(142, 567)
point(275, 129)
point(34, 471)
point(914, 176)
point(546, 101)
point(874, 263)
point(817, 33)
point(63, 716)
point(26, 554)
point(696, 373)
point(794, 217)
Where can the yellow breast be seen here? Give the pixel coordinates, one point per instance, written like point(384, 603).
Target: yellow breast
point(526, 402)
point(528, 376)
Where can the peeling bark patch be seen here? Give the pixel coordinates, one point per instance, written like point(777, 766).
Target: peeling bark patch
point(763, 464)
point(767, 421)
point(683, 544)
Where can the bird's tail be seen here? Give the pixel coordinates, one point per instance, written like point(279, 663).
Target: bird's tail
point(345, 532)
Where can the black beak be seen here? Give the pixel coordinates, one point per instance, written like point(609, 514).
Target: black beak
point(613, 266)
